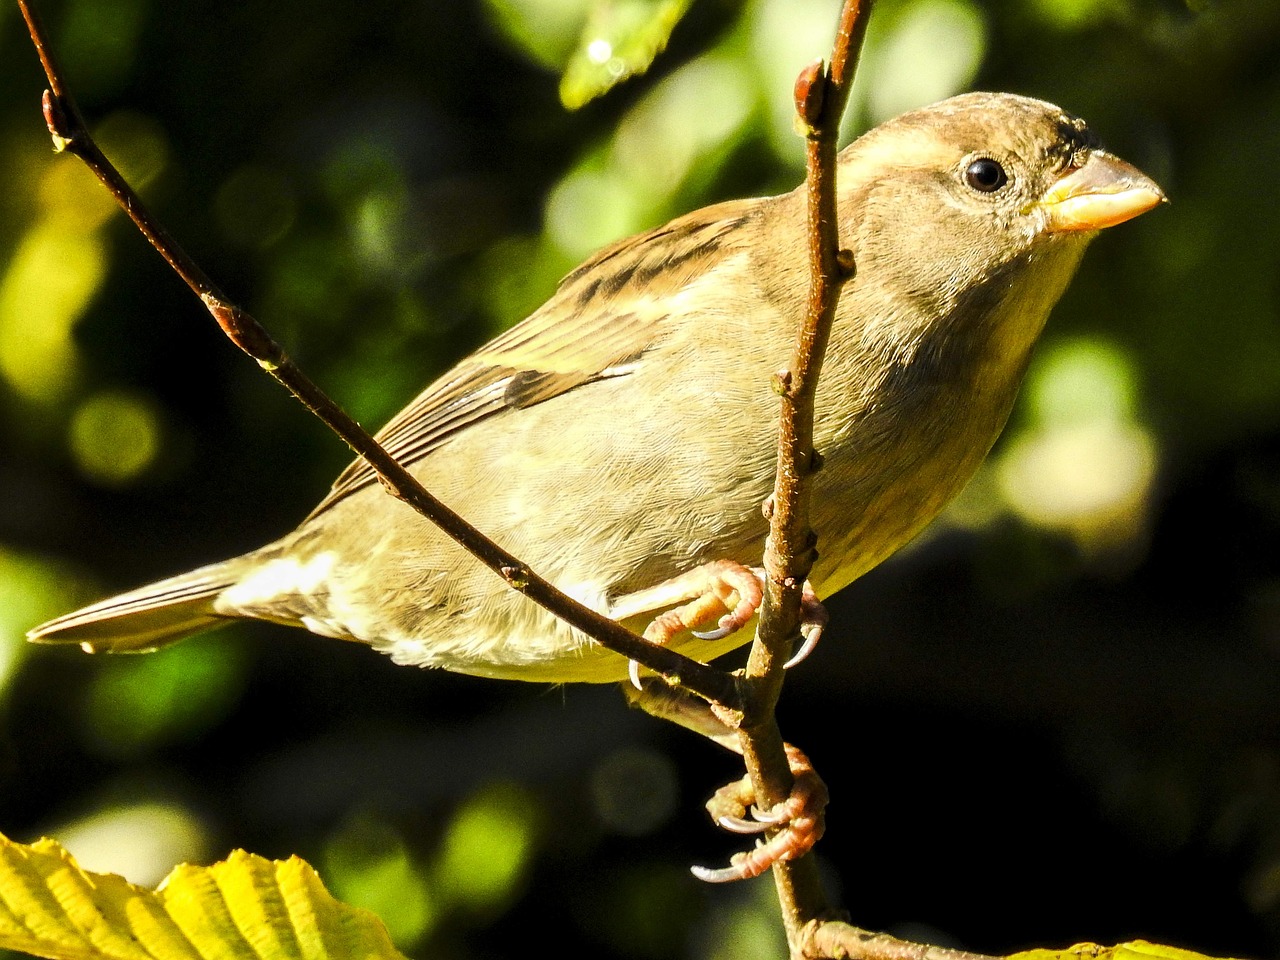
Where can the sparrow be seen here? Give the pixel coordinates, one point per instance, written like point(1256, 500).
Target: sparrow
point(621, 439)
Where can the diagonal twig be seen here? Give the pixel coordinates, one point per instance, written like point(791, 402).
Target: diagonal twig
point(70, 134)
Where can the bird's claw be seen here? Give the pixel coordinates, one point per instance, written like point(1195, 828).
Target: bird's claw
point(799, 822)
point(742, 825)
point(813, 620)
point(719, 633)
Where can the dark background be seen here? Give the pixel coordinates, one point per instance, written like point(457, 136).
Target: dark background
point(1056, 718)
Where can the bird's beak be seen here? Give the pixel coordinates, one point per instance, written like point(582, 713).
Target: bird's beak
point(1102, 193)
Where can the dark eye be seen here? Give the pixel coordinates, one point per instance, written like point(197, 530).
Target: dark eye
point(985, 175)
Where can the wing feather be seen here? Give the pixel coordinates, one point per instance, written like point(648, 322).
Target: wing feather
point(602, 319)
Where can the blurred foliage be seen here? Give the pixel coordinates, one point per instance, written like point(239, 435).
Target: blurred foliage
point(135, 704)
point(619, 40)
point(480, 864)
point(1056, 718)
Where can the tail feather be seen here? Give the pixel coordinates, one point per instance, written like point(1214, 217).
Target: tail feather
point(145, 618)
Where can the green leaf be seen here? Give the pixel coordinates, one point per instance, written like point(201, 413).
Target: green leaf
point(244, 908)
point(620, 39)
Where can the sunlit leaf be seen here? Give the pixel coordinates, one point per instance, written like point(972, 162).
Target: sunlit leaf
point(544, 30)
point(620, 40)
point(244, 908)
point(1133, 950)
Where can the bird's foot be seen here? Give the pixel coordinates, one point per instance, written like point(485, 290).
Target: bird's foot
point(723, 588)
point(799, 821)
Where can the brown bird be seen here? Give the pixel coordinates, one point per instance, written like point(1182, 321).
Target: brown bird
point(622, 435)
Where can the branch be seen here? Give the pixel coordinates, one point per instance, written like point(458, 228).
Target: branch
point(846, 942)
point(70, 133)
point(820, 101)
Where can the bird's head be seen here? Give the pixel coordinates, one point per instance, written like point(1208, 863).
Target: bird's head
point(949, 196)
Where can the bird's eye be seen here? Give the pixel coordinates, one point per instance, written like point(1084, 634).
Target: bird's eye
point(985, 175)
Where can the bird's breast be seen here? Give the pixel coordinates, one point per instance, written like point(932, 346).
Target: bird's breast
point(909, 406)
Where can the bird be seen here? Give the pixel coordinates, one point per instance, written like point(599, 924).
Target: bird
point(620, 440)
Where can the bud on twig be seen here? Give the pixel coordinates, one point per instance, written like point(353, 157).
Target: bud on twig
point(55, 118)
point(811, 93)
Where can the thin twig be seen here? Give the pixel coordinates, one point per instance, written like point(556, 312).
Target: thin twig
point(70, 133)
point(842, 941)
point(820, 100)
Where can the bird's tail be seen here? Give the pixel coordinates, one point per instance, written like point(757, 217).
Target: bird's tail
point(148, 617)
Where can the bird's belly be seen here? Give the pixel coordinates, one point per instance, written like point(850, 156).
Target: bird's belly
point(881, 485)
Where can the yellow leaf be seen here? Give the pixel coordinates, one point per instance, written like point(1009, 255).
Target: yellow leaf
point(244, 908)
point(1133, 950)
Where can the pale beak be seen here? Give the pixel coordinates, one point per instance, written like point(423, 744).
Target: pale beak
point(1102, 193)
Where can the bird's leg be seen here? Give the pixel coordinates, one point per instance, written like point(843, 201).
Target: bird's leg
point(724, 587)
point(797, 823)
point(659, 699)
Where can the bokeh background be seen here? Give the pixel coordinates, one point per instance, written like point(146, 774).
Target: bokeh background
point(1055, 718)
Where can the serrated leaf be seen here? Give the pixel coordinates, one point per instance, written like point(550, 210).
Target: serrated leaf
point(244, 908)
point(1133, 950)
point(620, 40)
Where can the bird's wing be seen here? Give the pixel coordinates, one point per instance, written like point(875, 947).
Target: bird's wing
point(602, 319)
